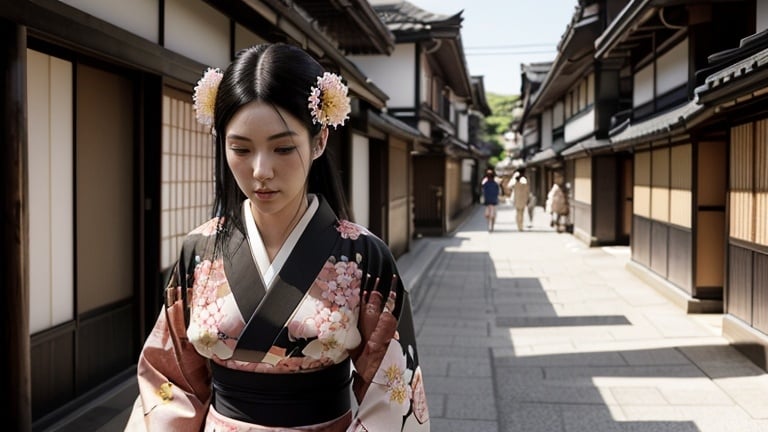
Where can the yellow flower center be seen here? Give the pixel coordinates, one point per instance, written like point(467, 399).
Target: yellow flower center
point(393, 373)
point(330, 344)
point(398, 393)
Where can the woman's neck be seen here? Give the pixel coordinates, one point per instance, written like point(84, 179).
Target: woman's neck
point(275, 228)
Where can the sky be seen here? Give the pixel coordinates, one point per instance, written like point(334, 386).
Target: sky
point(499, 35)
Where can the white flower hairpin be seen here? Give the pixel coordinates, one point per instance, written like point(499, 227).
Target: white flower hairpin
point(328, 101)
point(205, 95)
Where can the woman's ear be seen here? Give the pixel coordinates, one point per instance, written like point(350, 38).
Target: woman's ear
point(321, 140)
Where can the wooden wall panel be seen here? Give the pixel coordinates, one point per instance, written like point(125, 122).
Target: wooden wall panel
point(660, 184)
point(761, 182)
point(680, 205)
point(741, 182)
point(710, 243)
point(681, 178)
point(52, 362)
point(582, 190)
point(641, 241)
point(659, 248)
point(760, 295)
point(428, 190)
point(680, 263)
point(642, 189)
point(605, 227)
point(105, 346)
point(739, 298)
point(398, 202)
point(711, 182)
point(582, 217)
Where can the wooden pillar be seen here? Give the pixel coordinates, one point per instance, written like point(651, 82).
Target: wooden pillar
point(15, 294)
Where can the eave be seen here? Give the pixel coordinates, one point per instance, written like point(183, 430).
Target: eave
point(439, 37)
point(575, 56)
point(353, 23)
point(676, 121)
point(743, 79)
point(288, 20)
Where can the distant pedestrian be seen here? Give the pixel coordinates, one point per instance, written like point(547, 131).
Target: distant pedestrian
point(557, 204)
point(491, 191)
point(531, 207)
point(521, 191)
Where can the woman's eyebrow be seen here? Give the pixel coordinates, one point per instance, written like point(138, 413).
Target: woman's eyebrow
point(237, 137)
point(278, 135)
point(281, 135)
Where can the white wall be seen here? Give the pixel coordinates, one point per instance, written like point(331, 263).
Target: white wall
point(463, 127)
point(580, 127)
point(546, 129)
point(558, 114)
point(140, 17)
point(360, 200)
point(51, 197)
point(245, 38)
point(762, 15)
point(394, 74)
point(197, 31)
point(642, 91)
point(672, 68)
point(467, 166)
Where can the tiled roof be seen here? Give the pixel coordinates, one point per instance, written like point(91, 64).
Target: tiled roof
point(543, 155)
point(406, 17)
point(587, 146)
point(661, 124)
point(733, 73)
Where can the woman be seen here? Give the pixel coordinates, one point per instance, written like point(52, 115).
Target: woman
point(490, 197)
point(521, 193)
point(276, 299)
point(557, 204)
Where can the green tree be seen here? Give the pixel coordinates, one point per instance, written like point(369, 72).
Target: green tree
point(498, 123)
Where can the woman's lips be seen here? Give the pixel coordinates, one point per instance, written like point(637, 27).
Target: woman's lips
point(263, 194)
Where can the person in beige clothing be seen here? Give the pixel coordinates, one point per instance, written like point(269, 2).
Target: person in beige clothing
point(557, 204)
point(520, 190)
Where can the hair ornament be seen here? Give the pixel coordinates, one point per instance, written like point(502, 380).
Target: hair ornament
point(328, 101)
point(205, 95)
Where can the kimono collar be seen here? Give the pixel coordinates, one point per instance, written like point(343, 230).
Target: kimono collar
point(260, 257)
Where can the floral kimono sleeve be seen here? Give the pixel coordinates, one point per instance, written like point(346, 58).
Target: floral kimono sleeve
point(174, 380)
point(395, 399)
point(388, 379)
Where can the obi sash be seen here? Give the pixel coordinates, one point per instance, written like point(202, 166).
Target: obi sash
point(282, 400)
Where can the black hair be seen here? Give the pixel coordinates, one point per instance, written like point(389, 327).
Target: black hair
point(281, 75)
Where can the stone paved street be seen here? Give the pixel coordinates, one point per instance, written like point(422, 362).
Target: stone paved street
point(535, 331)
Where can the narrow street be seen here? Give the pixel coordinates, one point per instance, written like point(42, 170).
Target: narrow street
point(535, 331)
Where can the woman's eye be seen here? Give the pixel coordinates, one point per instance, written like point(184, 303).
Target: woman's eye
point(285, 150)
point(238, 150)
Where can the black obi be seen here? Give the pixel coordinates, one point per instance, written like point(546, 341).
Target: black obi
point(283, 400)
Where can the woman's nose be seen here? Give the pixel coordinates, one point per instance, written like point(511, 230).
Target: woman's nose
point(262, 167)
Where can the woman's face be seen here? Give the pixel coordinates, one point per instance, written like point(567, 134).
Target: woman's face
point(269, 153)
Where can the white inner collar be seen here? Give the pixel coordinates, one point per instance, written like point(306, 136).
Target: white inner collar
point(259, 251)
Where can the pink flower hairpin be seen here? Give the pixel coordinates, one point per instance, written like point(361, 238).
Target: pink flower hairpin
point(328, 101)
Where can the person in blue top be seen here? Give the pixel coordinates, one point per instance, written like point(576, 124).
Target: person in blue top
point(491, 192)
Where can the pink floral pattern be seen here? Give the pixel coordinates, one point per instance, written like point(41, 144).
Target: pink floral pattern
point(420, 408)
point(330, 314)
point(208, 312)
point(350, 230)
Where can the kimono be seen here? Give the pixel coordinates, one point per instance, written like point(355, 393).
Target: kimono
point(319, 339)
